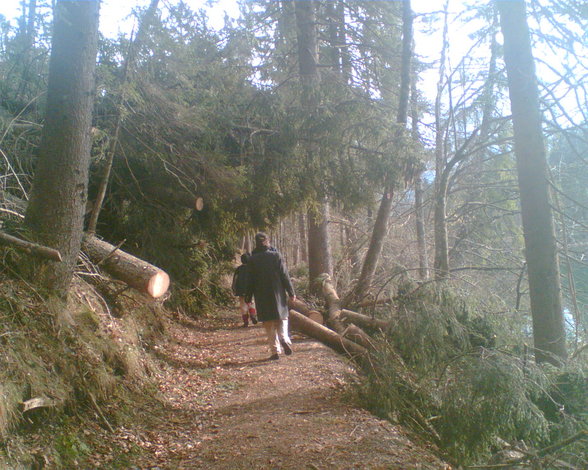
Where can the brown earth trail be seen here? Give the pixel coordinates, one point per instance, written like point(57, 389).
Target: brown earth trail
point(228, 407)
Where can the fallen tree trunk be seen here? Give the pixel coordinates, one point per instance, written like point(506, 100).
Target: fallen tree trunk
point(30, 248)
point(364, 321)
point(133, 271)
point(305, 310)
point(326, 336)
point(334, 316)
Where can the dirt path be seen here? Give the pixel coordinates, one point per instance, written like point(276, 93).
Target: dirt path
point(231, 408)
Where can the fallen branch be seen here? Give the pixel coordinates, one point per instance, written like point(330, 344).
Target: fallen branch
point(30, 248)
point(35, 403)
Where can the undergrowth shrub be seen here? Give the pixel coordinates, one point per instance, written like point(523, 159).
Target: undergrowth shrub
point(70, 356)
point(443, 372)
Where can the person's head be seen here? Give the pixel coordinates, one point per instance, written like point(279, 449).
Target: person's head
point(245, 258)
point(261, 239)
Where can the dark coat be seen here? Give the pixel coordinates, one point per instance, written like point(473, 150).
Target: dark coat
point(240, 278)
point(268, 283)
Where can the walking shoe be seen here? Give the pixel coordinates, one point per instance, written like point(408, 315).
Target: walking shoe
point(254, 319)
point(286, 347)
point(274, 357)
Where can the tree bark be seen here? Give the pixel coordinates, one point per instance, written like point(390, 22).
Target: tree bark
point(419, 207)
point(301, 307)
point(441, 264)
point(319, 249)
point(56, 208)
point(370, 262)
point(538, 226)
point(350, 331)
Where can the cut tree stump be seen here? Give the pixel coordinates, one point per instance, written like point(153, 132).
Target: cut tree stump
point(133, 271)
point(301, 307)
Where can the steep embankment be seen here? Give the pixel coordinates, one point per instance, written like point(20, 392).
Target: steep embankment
point(225, 406)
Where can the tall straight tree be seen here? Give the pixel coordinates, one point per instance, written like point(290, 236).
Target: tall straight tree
point(441, 262)
point(380, 229)
point(56, 208)
point(319, 249)
point(538, 226)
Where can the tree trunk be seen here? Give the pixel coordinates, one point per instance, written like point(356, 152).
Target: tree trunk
point(136, 272)
point(326, 336)
point(419, 207)
point(420, 229)
point(370, 263)
point(441, 263)
point(305, 310)
point(350, 331)
point(538, 226)
point(31, 26)
point(319, 251)
point(381, 226)
point(58, 200)
point(303, 245)
point(363, 320)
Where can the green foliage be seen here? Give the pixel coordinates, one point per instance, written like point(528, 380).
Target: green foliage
point(488, 396)
point(440, 374)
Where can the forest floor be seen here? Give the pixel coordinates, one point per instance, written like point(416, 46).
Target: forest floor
point(226, 406)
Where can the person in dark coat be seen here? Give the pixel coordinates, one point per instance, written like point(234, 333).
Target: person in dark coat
point(240, 277)
point(270, 284)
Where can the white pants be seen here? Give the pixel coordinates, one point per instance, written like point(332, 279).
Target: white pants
point(276, 331)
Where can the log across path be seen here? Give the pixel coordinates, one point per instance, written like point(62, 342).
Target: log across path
point(227, 407)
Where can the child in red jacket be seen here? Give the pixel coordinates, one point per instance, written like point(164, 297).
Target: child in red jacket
point(240, 279)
